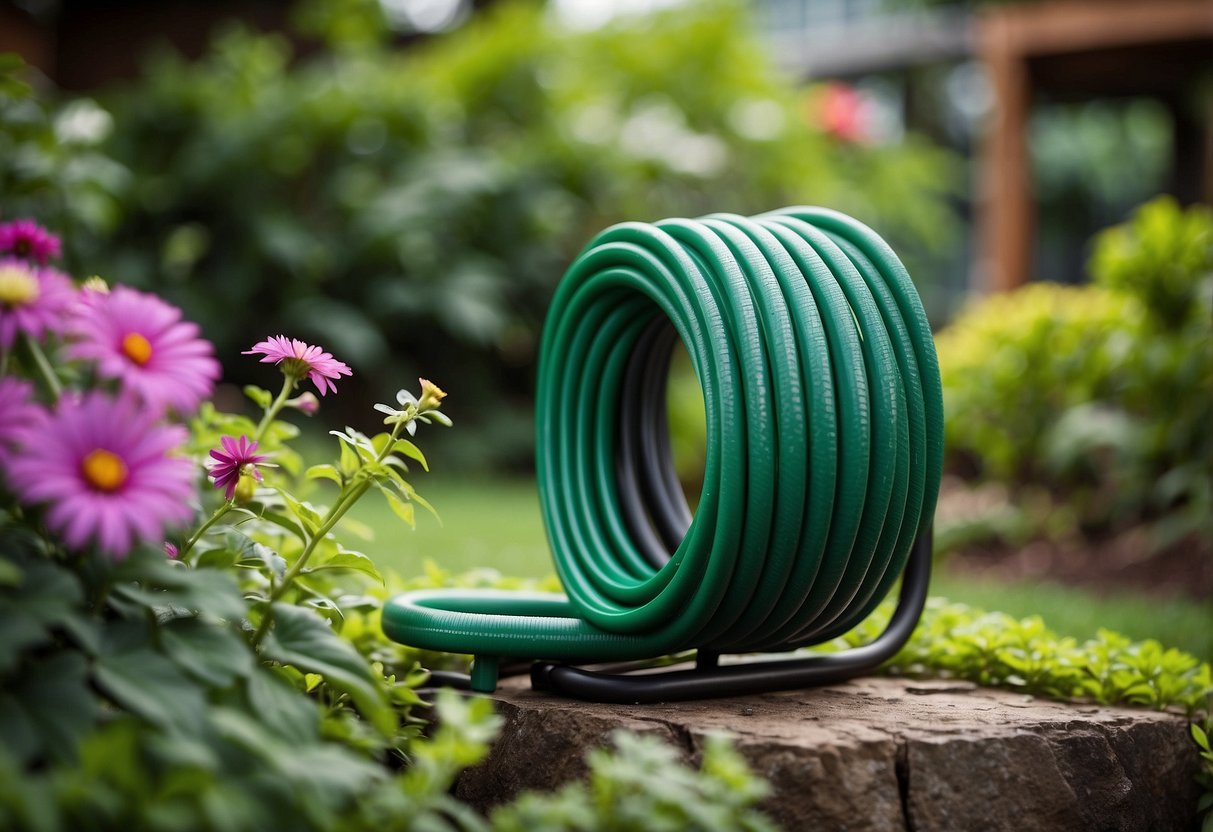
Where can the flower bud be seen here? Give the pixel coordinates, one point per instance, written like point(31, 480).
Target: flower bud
point(95, 284)
point(305, 403)
point(431, 396)
point(246, 487)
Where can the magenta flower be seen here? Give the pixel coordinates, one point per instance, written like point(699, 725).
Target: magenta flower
point(299, 359)
point(170, 550)
point(19, 415)
point(232, 460)
point(105, 471)
point(140, 340)
point(25, 238)
point(32, 300)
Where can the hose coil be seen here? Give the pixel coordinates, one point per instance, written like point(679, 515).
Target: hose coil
point(824, 420)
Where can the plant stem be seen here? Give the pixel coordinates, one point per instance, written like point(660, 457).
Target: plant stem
point(44, 367)
point(349, 496)
point(212, 520)
point(288, 386)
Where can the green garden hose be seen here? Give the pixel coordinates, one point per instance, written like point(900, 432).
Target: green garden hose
point(824, 448)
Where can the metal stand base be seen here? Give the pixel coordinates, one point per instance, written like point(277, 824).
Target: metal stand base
point(708, 679)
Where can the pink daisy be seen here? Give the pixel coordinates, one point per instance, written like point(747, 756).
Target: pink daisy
point(103, 468)
point(25, 238)
point(299, 359)
point(19, 414)
point(32, 300)
point(231, 461)
point(142, 341)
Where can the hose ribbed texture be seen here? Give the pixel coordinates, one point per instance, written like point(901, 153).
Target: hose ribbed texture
point(824, 445)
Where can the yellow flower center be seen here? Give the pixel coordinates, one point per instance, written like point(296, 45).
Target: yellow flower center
point(104, 470)
point(18, 286)
point(137, 348)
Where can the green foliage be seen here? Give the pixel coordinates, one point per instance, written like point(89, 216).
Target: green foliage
point(1163, 256)
point(642, 784)
point(1012, 363)
point(415, 207)
point(1098, 393)
point(1201, 731)
point(991, 648)
point(52, 164)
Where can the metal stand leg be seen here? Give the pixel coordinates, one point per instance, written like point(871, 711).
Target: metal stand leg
point(758, 677)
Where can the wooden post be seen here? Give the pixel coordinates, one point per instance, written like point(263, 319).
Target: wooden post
point(1006, 180)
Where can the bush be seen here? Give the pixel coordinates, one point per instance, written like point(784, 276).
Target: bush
point(415, 208)
point(1098, 393)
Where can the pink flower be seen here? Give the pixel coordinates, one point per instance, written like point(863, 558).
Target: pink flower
point(103, 467)
point(32, 300)
point(843, 113)
point(170, 550)
point(231, 461)
point(306, 403)
point(25, 238)
point(140, 340)
point(19, 414)
point(299, 359)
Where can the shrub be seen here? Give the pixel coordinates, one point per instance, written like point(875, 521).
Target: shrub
point(1097, 393)
point(414, 208)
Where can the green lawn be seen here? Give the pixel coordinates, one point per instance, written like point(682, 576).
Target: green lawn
point(496, 523)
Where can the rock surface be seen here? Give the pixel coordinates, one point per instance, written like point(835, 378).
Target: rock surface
point(885, 754)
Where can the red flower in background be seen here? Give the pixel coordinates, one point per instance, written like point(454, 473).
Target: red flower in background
point(842, 112)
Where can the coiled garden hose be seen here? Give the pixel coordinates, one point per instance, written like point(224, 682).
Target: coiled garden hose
point(824, 451)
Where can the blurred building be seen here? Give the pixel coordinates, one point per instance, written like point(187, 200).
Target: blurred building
point(1073, 110)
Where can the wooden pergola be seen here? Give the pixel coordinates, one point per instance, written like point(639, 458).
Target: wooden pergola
point(1075, 50)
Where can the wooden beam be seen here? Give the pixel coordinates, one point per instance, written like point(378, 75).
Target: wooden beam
point(1006, 180)
point(1083, 25)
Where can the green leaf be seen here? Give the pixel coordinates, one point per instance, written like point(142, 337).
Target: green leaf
point(1198, 734)
point(249, 551)
point(327, 472)
point(151, 686)
point(10, 573)
point(259, 396)
point(282, 521)
point(303, 639)
point(148, 579)
point(210, 652)
point(46, 598)
point(221, 558)
point(304, 513)
point(349, 460)
point(282, 707)
point(399, 507)
point(49, 708)
point(410, 450)
point(347, 559)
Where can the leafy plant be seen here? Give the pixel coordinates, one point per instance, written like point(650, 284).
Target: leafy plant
point(1201, 732)
point(643, 785)
point(1093, 392)
point(955, 640)
point(415, 207)
point(232, 676)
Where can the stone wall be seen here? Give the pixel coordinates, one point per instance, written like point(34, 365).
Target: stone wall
point(886, 754)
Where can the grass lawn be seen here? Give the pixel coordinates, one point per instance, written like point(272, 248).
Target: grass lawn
point(496, 523)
